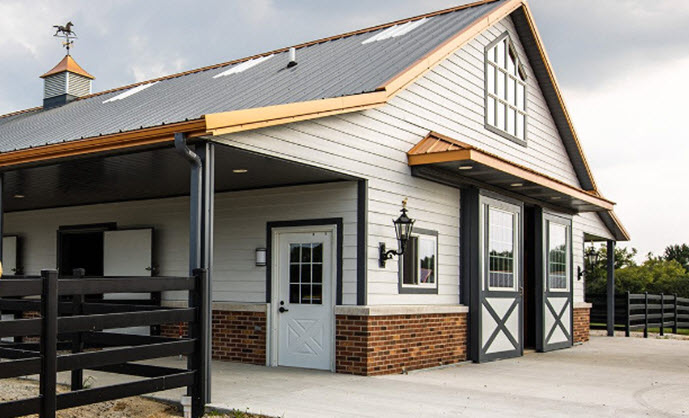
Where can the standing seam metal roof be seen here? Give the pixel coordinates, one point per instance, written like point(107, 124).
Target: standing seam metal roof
point(336, 67)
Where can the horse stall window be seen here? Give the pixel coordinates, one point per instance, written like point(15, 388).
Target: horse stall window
point(81, 246)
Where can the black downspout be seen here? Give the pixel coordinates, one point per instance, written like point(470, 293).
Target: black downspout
point(611, 288)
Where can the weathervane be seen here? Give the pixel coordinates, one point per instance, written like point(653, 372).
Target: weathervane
point(67, 34)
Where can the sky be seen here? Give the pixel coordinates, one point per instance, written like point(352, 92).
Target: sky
point(621, 65)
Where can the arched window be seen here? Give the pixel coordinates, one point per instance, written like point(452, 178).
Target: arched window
point(505, 90)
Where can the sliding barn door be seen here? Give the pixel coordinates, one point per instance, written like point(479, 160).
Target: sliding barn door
point(500, 290)
point(554, 310)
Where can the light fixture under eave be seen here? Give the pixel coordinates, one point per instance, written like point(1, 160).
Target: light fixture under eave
point(465, 167)
point(555, 198)
point(240, 171)
point(19, 196)
point(516, 184)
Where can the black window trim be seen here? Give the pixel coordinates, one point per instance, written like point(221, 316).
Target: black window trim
point(420, 289)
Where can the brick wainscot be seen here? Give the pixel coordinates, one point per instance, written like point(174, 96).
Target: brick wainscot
point(582, 322)
point(239, 332)
point(376, 340)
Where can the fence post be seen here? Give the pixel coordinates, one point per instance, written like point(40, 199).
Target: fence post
point(674, 316)
point(48, 378)
point(662, 314)
point(628, 324)
point(77, 342)
point(199, 331)
point(645, 314)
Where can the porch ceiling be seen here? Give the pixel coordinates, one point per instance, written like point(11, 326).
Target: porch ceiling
point(147, 174)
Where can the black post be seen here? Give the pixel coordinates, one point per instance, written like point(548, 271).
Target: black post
point(628, 324)
point(48, 379)
point(199, 331)
point(611, 288)
point(77, 342)
point(645, 314)
point(674, 316)
point(206, 153)
point(662, 314)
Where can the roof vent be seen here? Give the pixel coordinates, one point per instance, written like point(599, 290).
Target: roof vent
point(292, 58)
point(65, 82)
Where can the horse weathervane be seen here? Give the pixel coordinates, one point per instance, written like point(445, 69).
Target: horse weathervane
point(67, 34)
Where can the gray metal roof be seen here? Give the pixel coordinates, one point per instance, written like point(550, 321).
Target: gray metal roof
point(339, 67)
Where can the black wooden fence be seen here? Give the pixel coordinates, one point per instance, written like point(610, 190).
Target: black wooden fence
point(70, 323)
point(643, 311)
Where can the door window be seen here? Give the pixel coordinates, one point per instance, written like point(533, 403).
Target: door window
point(558, 256)
point(501, 248)
point(306, 273)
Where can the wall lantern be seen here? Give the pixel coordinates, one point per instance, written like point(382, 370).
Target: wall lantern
point(403, 228)
point(261, 257)
point(591, 257)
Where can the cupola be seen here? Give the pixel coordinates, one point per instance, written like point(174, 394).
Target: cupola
point(65, 82)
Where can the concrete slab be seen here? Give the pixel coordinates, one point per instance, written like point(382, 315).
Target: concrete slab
point(605, 377)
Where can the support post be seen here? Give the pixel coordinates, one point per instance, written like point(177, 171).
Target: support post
point(199, 331)
point(48, 377)
point(611, 288)
point(662, 314)
point(628, 325)
point(674, 316)
point(645, 314)
point(77, 341)
point(2, 212)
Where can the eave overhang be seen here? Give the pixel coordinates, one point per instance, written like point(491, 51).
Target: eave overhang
point(471, 165)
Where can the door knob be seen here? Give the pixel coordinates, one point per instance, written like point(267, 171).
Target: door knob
point(282, 309)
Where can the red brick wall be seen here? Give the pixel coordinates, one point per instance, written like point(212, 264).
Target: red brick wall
point(582, 317)
point(237, 336)
point(375, 345)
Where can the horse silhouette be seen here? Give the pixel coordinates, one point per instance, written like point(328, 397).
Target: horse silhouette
point(65, 30)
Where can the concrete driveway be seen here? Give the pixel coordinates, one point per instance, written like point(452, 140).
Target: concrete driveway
point(605, 377)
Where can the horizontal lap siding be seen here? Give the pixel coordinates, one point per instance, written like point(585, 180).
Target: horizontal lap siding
point(240, 228)
point(373, 145)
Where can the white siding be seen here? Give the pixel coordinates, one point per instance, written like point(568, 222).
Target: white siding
point(373, 145)
point(590, 224)
point(240, 227)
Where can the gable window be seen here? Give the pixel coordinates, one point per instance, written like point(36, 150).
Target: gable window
point(505, 90)
point(419, 263)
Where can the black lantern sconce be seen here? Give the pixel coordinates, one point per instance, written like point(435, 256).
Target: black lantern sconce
point(403, 228)
point(591, 256)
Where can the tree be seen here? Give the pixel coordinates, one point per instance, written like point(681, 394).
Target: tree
point(679, 253)
point(597, 274)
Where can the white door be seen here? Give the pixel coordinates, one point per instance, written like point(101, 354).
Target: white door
point(9, 255)
point(128, 253)
point(303, 304)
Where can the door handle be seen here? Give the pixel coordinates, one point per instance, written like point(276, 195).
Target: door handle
point(282, 309)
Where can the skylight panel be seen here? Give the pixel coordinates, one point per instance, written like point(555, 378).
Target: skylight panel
point(395, 31)
point(235, 69)
point(130, 92)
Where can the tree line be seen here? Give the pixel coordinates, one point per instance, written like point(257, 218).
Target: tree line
point(667, 273)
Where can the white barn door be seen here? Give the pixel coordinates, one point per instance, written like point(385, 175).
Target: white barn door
point(555, 312)
point(128, 253)
point(500, 297)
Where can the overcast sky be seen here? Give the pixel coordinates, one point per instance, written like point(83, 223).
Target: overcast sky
point(621, 64)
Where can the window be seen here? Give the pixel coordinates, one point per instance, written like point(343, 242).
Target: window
point(558, 256)
point(502, 239)
point(419, 263)
point(306, 273)
point(505, 90)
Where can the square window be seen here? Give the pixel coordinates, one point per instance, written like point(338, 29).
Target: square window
point(419, 263)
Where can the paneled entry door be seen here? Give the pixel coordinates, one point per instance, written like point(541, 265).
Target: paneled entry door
point(303, 302)
point(500, 297)
point(554, 312)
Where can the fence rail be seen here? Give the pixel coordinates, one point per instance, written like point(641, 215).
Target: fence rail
point(641, 311)
point(71, 323)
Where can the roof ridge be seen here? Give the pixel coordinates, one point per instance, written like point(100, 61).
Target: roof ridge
point(280, 50)
point(19, 112)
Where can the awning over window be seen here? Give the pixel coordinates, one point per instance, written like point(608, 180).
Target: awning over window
point(469, 165)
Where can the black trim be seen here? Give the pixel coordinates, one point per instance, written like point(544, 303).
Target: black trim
point(362, 242)
point(468, 261)
point(417, 289)
point(304, 222)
